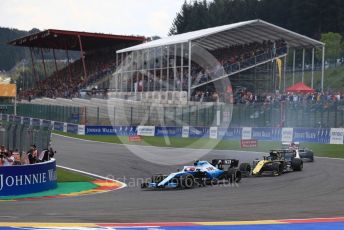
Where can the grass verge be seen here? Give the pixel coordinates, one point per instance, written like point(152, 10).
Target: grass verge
point(64, 175)
point(323, 150)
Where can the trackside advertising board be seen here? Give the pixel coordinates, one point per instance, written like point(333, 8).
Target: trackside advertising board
point(185, 131)
point(110, 130)
point(320, 135)
point(246, 133)
point(266, 134)
point(287, 134)
point(168, 131)
point(213, 133)
point(337, 136)
point(146, 130)
point(252, 143)
point(229, 134)
point(25, 179)
point(199, 132)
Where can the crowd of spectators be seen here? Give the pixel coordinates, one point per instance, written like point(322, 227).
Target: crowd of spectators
point(229, 59)
point(32, 156)
point(247, 97)
point(308, 102)
point(69, 81)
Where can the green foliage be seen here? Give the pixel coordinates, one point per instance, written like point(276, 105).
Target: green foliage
point(10, 55)
point(311, 17)
point(64, 175)
point(334, 45)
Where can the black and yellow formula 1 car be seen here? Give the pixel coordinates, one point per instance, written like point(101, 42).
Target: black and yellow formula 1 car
point(277, 163)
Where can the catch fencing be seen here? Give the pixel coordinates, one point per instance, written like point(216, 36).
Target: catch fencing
point(288, 114)
point(17, 136)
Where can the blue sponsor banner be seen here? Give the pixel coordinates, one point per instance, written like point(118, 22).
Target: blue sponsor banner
point(36, 122)
point(229, 133)
point(318, 135)
point(100, 130)
point(46, 123)
point(199, 132)
point(266, 134)
point(75, 117)
point(71, 128)
point(17, 119)
point(125, 130)
point(168, 131)
point(111, 130)
point(58, 126)
point(26, 120)
point(25, 179)
point(3, 117)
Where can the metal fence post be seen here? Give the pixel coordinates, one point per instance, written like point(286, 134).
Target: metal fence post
point(189, 115)
point(197, 115)
point(335, 114)
point(205, 116)
point(182, 115)
point(175, 116)
point(97, 115)
point(131, 115)
point(114, 116)
point(164, 114)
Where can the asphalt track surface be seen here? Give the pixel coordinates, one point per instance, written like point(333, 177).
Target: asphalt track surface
point(317, 191)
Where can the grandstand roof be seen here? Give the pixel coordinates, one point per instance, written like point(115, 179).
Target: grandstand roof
point(64, 39)
point(233, 34)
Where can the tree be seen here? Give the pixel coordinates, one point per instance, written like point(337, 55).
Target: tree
point(180, 23)
point(310, 17)
point(334, 45)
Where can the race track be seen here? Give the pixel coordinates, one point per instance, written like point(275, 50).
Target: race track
point(315, 192)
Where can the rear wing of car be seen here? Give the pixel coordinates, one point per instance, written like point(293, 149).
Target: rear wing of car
point(291, 145)
point(230, 162)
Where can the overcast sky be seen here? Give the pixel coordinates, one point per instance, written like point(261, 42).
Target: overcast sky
point(127, 17)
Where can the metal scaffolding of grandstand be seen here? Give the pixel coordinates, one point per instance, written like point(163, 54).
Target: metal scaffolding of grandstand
point(84, 42)
point(161, 65)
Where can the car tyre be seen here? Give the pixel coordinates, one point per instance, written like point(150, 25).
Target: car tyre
point(297, 164)
point(245, 169)
point(233, 175)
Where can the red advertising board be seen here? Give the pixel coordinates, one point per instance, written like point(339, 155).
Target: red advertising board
point(250, 143)
point(135, 138)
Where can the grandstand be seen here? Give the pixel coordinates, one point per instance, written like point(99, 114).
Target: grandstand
point(96, 59)
point(237, 47)
point(181, 76)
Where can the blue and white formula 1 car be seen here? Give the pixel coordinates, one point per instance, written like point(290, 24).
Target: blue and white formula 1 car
point(200, 174)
